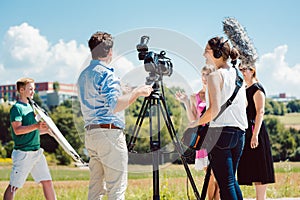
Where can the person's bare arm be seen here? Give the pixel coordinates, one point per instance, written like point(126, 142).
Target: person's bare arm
point(214, 86)
point(191, 109)
point(125, 100)
point(259, 100)
point(189, 105)
point(20, 130)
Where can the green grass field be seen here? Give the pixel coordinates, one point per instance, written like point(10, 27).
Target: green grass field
point(72, 183)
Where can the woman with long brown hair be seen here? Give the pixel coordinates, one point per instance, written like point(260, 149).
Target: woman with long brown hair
point(225, 152)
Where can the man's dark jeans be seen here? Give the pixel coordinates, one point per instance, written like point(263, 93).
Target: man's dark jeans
point(224, 159)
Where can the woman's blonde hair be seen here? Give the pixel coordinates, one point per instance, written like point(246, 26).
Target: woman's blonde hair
point(252, 68)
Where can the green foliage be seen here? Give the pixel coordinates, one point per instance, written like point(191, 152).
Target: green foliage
point(67, 103)
point(293, 106)
point(3, 152)
point(174, 110)
point(278, 108)
point(134, 109)
point(51, 158)
point(283, 141)
point(273, 125)
point(37, 99)
point(296, 155)
point(9, 146)
point(5, 98)
point(288, 145)
point(275, 107)
point(5, 135)
point(56, 86)
point(62, 157)
point(268, 107)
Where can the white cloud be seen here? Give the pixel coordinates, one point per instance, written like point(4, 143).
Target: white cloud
point(24, 45)
point(122, 65)
point(27, 53)
point(276, 74)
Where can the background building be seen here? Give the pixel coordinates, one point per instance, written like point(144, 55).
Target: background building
point(282, 97)
point(51, 93)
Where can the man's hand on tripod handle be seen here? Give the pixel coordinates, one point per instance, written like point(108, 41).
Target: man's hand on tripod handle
point(143, 90)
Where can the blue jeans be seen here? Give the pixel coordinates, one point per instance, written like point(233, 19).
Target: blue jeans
point(224, 159)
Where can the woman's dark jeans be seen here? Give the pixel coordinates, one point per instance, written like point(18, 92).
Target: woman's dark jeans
point(224, 159)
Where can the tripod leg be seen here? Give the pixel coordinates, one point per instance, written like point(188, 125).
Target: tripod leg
point(155, 164)
point(178, 146)
point(206, 181)
point(155, 145)
point(138, 124)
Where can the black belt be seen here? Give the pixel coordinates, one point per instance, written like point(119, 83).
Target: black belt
point(233, 127)
point(107, 126)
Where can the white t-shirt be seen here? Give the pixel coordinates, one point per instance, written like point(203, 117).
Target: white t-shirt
point(235, 114)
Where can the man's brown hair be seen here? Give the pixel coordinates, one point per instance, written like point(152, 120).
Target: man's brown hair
point(100, 43)
point(22, 82)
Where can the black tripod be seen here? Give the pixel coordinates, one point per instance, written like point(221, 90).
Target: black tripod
point(156, 100)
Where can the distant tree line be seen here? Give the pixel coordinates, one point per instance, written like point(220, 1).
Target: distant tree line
point(68, 118)
point(280, 108)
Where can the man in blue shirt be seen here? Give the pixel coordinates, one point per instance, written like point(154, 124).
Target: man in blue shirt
point(102, 106)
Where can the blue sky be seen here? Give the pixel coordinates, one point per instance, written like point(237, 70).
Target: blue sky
point(47, 40)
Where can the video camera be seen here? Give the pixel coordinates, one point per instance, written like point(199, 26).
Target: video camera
point(158, 65)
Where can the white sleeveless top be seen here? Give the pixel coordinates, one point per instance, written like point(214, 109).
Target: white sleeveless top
point(235, 114)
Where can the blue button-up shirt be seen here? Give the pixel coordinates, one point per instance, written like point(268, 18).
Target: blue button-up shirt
point(99, 90)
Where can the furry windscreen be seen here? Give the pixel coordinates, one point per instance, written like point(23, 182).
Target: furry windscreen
point(240, 40)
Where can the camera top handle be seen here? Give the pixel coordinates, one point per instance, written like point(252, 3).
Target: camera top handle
point(142, 46)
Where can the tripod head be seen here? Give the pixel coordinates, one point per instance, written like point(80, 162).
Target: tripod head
point(156, 89)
